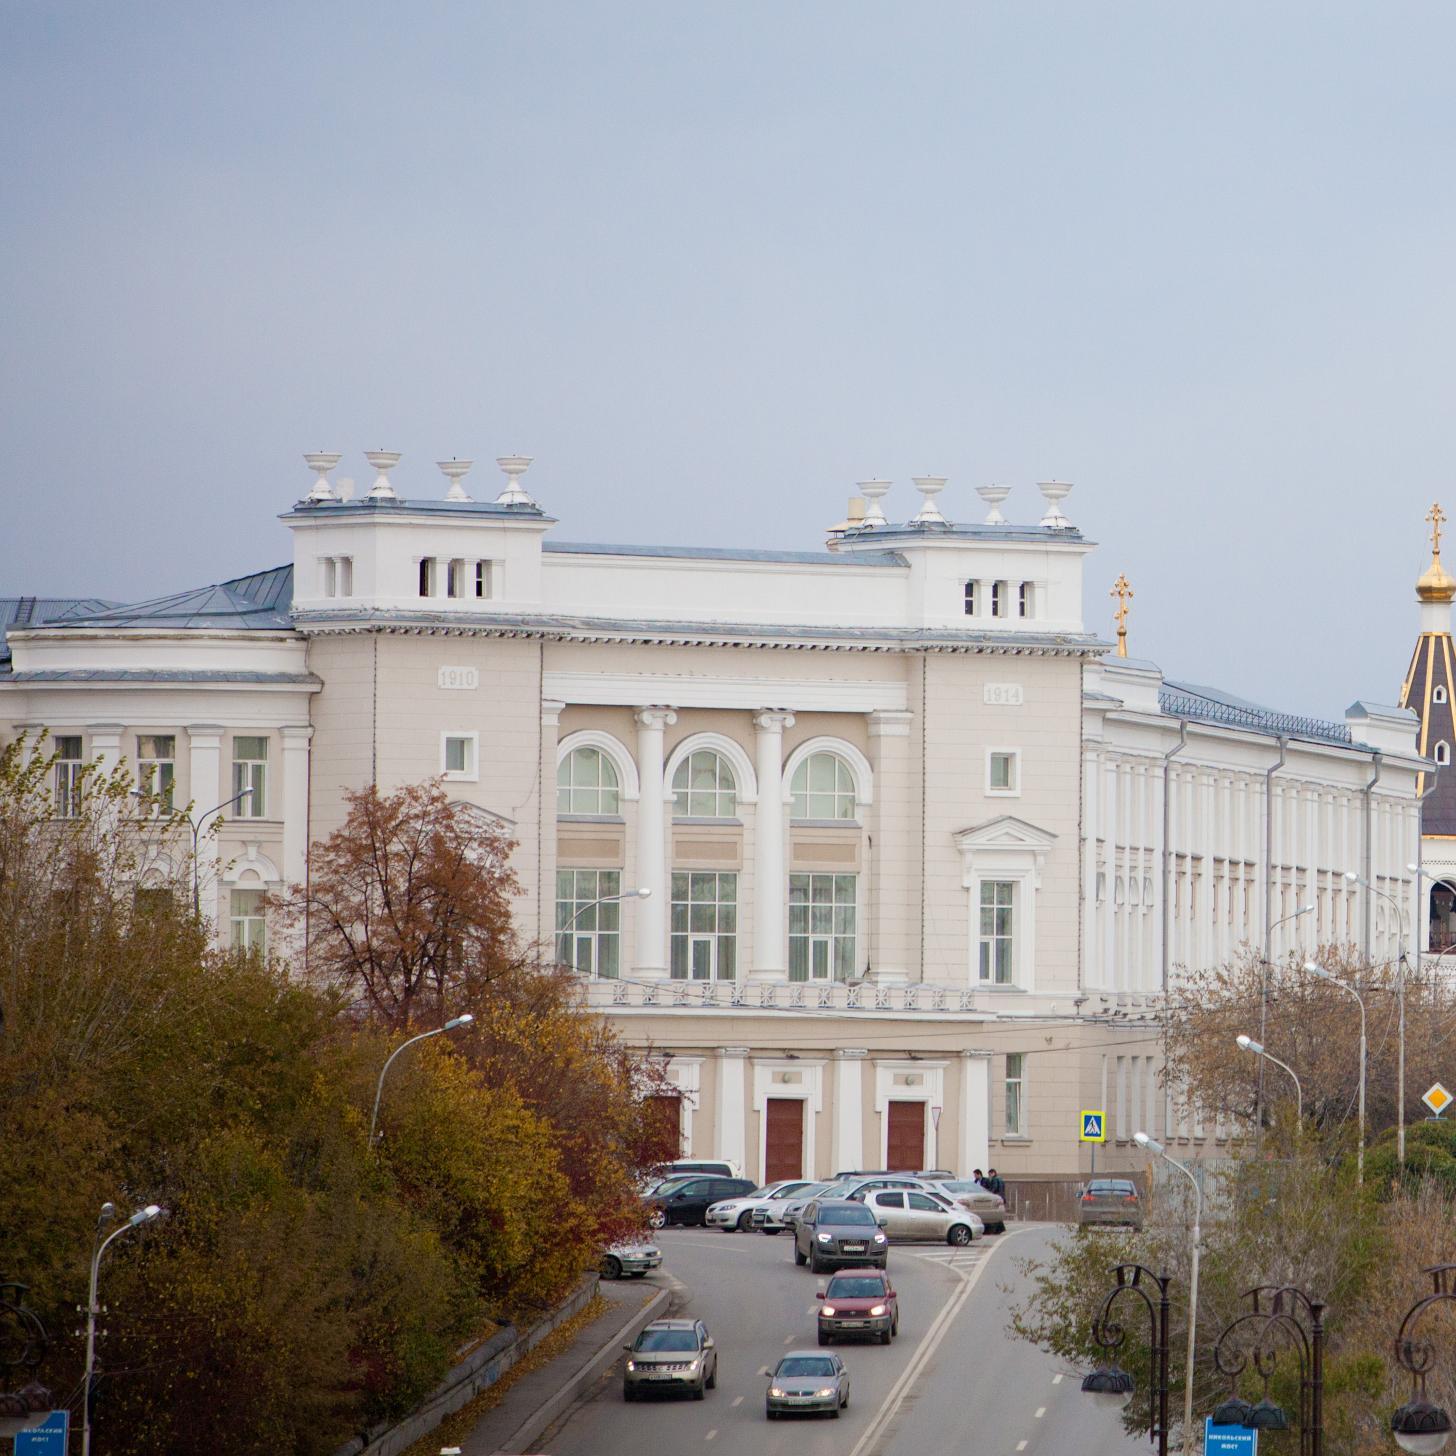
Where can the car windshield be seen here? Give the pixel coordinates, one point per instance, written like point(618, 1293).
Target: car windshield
point(855, 1213)
point(963, 1185)
point(669, 1185)
point(855, 1286)
point(794, 1190)
point(813, 1191)
point(793, 1365)
point(667, 1340)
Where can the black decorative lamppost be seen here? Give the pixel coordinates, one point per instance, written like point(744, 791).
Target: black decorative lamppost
point(1112, 1386)
point(23, 1345)
point(1278, 1318)
point(1419, 1426)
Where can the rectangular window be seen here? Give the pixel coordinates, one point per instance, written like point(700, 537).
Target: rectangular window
point(455, 579)
point(821, 927)
point(249, 928)
point(1015, 1094)
point(1001, 772)
point(970, 599)
point(250, 771)
point(998, 599)
point(588, 933)
point(346, 576)
point(1023, 600)
point(998, 905)
point(704, 926)
point(458, 755)
point(482, 579)
point(156, 771)
point(328, 575)
point(69, 767)
point(427, 576)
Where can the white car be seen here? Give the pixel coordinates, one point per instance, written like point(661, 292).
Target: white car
point(738, 1214)
point(783, 1213)
point(630, 1259)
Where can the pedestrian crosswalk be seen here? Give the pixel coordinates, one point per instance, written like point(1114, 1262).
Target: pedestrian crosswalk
point(959, 1259)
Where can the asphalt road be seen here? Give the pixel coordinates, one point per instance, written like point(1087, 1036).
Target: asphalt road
point(953, 1381)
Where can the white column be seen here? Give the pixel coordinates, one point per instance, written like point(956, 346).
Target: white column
point(975, 1148)
point(849, 1151)
point(732, 1132)
point(893, 886)
point(551, 710)
point(295, 802)
point(204, 770)
point(106, 745)
point(652, 844)
point(770, 883)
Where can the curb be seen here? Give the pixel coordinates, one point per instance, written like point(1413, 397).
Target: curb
point(546, 1415)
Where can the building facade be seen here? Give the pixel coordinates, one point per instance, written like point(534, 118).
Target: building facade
point(921, 860)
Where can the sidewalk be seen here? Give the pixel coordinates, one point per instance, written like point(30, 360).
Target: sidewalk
point(541, 1396)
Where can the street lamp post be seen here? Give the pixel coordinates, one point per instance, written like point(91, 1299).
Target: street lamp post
point(1114, 1387)
point(1334, 980)
point(1400, 1004)
point(1420, 1426)
point(1248, 1044)
point(108, 1212)
point(1265, 972)
point(640, 894)
point(195, 825)
point(450, 1025)
point(1143, 1140)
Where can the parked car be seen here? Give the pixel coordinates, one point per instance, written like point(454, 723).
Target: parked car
point(936, 1175)
point(859, 1302)
point(671, 1355)
point(631, 1259)
point(736, 1214)
point(912, 1215)
point(783, 1213)
point(807, 1381)
point(836, 1231)
point(686, 1200)
point(989, 1207)
point(1110, 1201)
point(715, 1167)
point(858, 1187)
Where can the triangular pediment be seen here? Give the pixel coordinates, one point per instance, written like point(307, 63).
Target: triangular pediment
point(1005, 831)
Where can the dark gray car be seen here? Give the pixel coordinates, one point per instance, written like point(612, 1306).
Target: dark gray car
point(833, 1232)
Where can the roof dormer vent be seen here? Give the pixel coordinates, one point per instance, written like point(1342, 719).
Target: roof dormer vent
point(993, 495)
point(873, 492)
point(383, 461)
point(455, 471)
point(321, 462)
point(515, 466)
point(1055, 492)
point(929, 514)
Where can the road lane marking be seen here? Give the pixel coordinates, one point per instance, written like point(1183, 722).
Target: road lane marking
point(711, 1434)
point(1056, 1379)
point(737, 1400)
point(1040, 1412)
point(922, 1356)
point(788, 1340)
point(1021, 1445)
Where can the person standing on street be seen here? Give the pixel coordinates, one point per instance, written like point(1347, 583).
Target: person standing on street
point(994, 1183)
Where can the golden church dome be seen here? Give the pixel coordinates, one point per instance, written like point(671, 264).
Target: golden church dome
point(1434, 585)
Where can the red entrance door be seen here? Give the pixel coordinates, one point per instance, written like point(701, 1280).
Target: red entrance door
point(664, 1113)
point(783, 1138)
point(905, 1139)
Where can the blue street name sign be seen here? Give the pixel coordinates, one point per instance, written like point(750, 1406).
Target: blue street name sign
point(1229, 1440)
point(46, 1439)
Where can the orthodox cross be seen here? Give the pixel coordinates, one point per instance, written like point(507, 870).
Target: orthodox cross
point(1123, 592)
point(1436, 516)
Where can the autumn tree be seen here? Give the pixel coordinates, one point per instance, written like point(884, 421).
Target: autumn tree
point(407, 909)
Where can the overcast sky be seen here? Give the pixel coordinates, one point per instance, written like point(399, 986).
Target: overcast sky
point(712, 264)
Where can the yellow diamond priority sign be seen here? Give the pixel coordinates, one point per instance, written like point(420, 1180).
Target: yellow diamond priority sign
point(1437, 1098)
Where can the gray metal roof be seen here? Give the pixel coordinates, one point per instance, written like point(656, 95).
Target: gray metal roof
point(162, 675)
point(731, 553)
point(258, 602)
point(1213, 705)
point(370, 505)
point(40, 612)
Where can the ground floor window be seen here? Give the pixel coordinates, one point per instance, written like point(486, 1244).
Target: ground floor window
point(589, 934)
point(249, 927)
point(821, 927)
point(704, 926)
point(1015, 1094)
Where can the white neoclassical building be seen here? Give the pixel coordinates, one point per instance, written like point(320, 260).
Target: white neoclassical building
point(922, 859)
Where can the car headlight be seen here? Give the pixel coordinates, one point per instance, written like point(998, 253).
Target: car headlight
point(693, 1363)
point(828, 1390)
point(825, 1239)
point(877, 1310)
point(775, 1391)
point(631, 1365)
point(879, 1238)
point(828, 1309)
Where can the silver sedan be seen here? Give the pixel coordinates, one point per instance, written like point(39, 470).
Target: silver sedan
point(809, 1381)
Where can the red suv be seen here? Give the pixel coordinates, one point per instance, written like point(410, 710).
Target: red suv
point(859, 1302)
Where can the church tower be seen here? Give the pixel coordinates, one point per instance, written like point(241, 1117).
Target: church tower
point(1430, 690)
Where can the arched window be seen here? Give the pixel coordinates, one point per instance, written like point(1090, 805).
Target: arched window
point(586, 783)
point(1443, 752)
point(704, 787)
point(1438, 693)
point(822, 788)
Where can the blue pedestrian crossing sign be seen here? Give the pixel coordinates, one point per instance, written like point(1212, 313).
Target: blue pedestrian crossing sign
point(1092, 1125)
